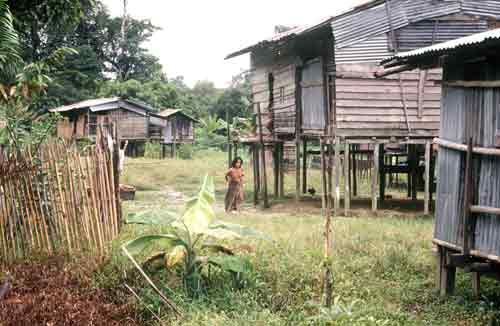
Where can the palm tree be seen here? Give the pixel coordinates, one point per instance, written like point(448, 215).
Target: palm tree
point(10, 58)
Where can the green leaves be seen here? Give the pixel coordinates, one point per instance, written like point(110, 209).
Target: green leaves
point(200, 213)
point(161, 240)
point(234, 264)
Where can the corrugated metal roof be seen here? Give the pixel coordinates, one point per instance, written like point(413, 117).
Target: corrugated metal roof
point(490, 8)
point(370, 50)
point(85, 104)
point(463, 42)
point(360, 25)
point(291, 33)
point(418, 10)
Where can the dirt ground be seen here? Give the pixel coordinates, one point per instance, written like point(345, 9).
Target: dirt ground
point(53, 293)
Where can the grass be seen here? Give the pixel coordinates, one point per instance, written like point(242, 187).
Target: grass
point(383, 266)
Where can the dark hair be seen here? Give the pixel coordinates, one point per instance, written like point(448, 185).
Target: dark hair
point(236, 159)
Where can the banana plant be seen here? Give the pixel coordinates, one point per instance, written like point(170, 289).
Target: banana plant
point(192, 243)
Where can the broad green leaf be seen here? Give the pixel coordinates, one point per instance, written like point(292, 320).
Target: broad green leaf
point(162, 240)
point(176, 256)
point(200, 212)
point(151, 217)
point(235, 264)
point(237, 231)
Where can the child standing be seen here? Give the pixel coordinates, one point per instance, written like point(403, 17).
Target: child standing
point(234, 181)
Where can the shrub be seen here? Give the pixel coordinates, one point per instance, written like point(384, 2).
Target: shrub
point(186, 151)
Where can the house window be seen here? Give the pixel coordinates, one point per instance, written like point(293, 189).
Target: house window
point(282, 94)
point(92, 124)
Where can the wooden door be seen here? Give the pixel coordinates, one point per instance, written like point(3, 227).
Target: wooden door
point(313, 96)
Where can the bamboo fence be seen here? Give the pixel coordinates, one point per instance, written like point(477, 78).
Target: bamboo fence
point(58, 199)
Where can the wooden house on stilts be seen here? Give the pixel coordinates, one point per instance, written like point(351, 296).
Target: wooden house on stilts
point(467, 227)
point(322, 82)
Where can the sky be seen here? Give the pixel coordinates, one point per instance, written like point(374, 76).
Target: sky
point(196, 35)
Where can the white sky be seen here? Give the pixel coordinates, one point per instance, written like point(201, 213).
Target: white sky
point(196, 35)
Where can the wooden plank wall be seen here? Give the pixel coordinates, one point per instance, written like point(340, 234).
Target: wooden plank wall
point(131, 125)
point(370, 107)
point(283, 111)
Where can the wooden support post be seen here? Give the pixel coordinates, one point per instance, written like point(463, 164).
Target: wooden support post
point(409, 165)
point(276, 172)
point(282, 169)
point(382, 174)
point(347, 190)
point(427, 178)
point(476, 284)
point(304, 166)
point(414, 172)
point(255, 163)
point(297, 169)
point(324, 187)
point(337, 176)
point(263, 149)
point(375, 177)
point(229, 147)
point(354, 172)
point(448, 274)
point(330, 171)
point(174, 138)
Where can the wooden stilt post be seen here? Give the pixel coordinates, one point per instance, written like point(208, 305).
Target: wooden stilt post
point(330, 171)
point(338, 168)
point(263, 149)
point(448, 274)
point(255, 161)
point(427, 178)
point(466, 222)
point(382, 174)
point(476, 284)
point(347, 171)
point(414, 172)
point(354, 173)
point(304, 166)
point(324, 186)
point(375, 177)
point(282, 169)
point(409, 165)
point(297, 169)
point(276, 172)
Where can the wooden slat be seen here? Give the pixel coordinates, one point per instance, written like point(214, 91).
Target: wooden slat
point(485, 210)
point(463, 148)
point(384, 112)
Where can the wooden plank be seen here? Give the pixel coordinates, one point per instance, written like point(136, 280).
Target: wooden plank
point(484, 210)
point(386, 118)
point(363, 111)
point(384, 103)
point(390, 126)
point(298, 124)
point(463, 148)
point(386, 89)
point(324, 187)
point(369, 131)
point(337, 176)
point(472, 83)
point(385, 96)
point(448, 275)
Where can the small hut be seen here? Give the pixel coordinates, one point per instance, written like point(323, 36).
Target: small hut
point(317, 83)
point(135, 122)
point(180, 127)
point(467, 229)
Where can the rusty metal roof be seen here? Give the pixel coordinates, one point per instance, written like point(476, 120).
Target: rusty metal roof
point(450, 46)
point(104, 104)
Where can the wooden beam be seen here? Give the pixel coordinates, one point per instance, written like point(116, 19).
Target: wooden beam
point(476, 285)
point(324, 186)
point(448, 275)
point(472, 83)
point(298, 126)
point(256, 177)
point(382, 172)
point(347, 190)
point(427, 178)
point(484, 210)
point(354, 174)
point(463, 148)
point(282, 169)
point(276, 170)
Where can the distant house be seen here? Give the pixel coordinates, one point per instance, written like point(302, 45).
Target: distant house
point(180, 127)
point(136, 122)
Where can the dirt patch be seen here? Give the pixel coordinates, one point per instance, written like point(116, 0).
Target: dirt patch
point(53, 293)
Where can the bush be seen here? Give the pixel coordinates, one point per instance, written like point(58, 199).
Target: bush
point(152, 151)
point(186, 151)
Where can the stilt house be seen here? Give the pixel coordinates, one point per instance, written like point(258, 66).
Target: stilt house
point(320, 82)
point(136, 123)
point(180, 127)
point(467, 227)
